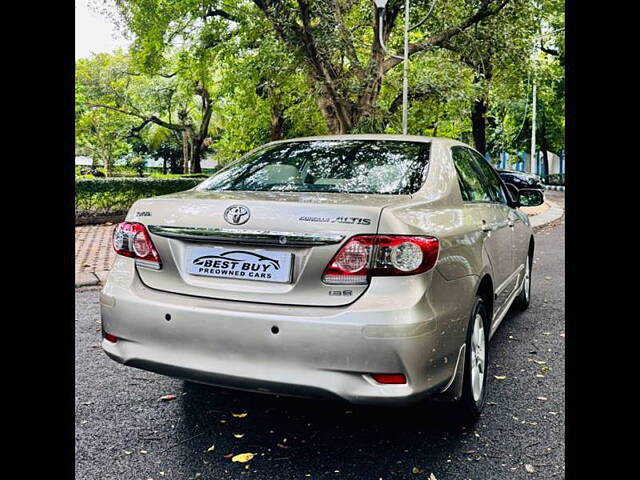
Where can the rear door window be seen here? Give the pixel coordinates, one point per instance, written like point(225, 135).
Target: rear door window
point(472, 186)
point(490, 177)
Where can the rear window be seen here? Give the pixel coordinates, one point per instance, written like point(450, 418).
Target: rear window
point(348, 166)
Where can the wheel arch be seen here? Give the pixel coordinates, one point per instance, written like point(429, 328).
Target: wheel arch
point(486, 292)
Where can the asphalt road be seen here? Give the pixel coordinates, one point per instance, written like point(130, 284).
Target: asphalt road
point(124, 431)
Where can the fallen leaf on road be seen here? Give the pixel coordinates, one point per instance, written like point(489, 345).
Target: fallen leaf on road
point(127, 452)
point(432, 477)
point(547, 278)
point(243, 457)
point(211, 448)
point(541, 398)
point(240, 415)
point(143, 452)
point(529, 468)
point(540, 362)
point(238, 435)
point(500, 377)
point(416, 470)
point(166, 398)
point(228, 455)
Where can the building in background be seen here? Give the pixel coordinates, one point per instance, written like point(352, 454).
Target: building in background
point(521, 161)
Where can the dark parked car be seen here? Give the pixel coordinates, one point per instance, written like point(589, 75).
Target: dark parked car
point(521, 179)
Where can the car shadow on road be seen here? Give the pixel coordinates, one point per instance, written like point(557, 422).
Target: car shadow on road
point(304, 432)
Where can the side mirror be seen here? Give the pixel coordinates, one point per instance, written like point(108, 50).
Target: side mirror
point(513, 191)
point(530, 198)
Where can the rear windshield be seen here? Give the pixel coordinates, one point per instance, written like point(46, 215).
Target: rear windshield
point(348, 166)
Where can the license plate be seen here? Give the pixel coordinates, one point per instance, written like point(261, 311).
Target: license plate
point(258, 265)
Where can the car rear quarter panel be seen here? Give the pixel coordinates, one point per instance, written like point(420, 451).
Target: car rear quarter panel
point(438, 211)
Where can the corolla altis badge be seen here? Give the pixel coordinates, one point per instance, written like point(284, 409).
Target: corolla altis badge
point(237, 214)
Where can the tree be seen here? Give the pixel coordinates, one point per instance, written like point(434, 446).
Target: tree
point(498, 52)
point(181, 104)
point(348, 69)
point(226, 77)
point(101, 135)
point(343, 58)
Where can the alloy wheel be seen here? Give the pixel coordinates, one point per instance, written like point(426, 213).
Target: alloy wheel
point(478, 358)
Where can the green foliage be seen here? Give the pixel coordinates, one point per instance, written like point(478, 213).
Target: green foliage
point(112, 196)
point(255, 60)
point(138, 164)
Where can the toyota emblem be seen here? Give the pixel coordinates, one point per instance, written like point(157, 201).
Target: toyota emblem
point(237, 214)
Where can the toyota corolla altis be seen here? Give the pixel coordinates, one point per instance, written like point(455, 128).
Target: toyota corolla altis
point(372, 268)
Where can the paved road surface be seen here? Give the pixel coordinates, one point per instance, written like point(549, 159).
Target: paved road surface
point(123, 430)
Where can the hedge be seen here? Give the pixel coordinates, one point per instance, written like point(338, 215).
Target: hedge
point(100, 197)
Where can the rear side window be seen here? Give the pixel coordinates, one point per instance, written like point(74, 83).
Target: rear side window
point(490, 177)
point(472, 187)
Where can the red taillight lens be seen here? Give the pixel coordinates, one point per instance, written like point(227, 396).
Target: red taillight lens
point(366, 256)
point(132, 239)
point(389, 378)
point(110, 338)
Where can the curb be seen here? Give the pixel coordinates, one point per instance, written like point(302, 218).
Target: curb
point(558, 188)
point(551, 215)
point(90, 279)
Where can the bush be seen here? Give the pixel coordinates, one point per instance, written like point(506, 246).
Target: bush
point(96, 197)
point(201, 176)
point(138, 164)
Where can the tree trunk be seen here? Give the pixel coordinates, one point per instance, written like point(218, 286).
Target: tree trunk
point(108, 170)
point(185, 151)
point(197, 150)
point(478, 125)
point(331, 118)
point(277, 122)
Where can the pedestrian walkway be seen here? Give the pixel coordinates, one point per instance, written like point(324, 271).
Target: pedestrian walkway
point(94, 253)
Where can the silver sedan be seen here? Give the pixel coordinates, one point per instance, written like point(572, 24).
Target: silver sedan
point(373, 268)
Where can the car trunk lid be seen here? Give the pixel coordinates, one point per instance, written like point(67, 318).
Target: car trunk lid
point(288, 236)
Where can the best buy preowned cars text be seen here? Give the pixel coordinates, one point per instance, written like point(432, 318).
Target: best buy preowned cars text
point(374, 268)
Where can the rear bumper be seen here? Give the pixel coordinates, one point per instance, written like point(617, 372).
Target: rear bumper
point(319, 352)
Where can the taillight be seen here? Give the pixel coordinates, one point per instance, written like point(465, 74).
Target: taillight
point(132, 239)
point(366, 256)
point(389, 378)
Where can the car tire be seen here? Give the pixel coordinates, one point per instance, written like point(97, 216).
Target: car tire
point(475, 367)
point(523, 299)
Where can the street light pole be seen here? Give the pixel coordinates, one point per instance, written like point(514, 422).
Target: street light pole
point(380, 6)
point(534, 163)
point(405, 78)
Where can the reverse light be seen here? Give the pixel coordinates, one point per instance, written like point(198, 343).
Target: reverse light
point(366, 256)
point(132, 239)
point(389, 378)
